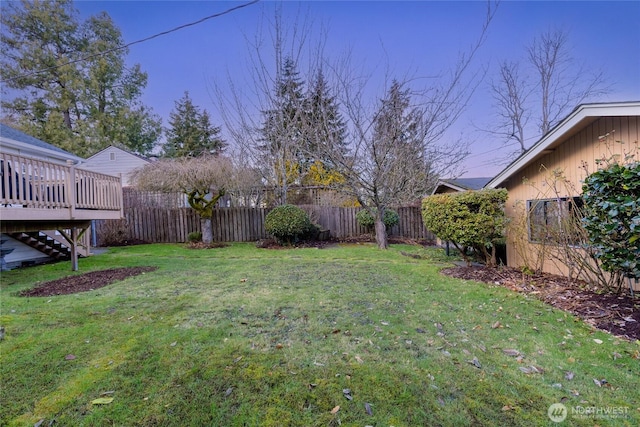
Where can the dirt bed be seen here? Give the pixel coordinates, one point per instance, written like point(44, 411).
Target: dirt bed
point(84, 282)
point(617, 314)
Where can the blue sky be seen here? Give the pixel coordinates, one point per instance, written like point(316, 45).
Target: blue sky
point(419, 38)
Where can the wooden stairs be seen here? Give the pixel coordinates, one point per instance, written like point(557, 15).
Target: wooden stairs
point(48, 242)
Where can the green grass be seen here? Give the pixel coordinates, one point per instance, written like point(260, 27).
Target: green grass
point(241, 336)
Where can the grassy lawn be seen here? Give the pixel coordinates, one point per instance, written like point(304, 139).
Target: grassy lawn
point(241, 336)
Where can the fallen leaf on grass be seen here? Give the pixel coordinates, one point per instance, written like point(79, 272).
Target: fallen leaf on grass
point(347, 393)
point(597, 341)
point(335, 410)
point(102, 401)
point(600, 383)
point(107, 393)
point(569, 375)
point(70, 357)
point(507, 408)
point(359, 359)
point(173, 344)
point(496, 325)
point(367, 409)
point(511, 352)
point(531, 369)
point(228, 392)
point(475, 362)
point(616, 355)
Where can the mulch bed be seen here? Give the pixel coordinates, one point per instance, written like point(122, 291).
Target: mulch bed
point(617, 314)
point(84, 282)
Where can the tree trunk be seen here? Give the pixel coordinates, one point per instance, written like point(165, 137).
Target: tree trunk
point(381, 234)
point(207, 230)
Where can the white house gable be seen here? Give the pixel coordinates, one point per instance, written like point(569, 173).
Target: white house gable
point(115, 161)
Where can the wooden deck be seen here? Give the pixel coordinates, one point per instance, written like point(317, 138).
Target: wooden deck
point(41, 195)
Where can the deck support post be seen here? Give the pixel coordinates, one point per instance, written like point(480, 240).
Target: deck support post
point(76, 234)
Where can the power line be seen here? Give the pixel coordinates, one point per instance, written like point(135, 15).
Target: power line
point(115, 49)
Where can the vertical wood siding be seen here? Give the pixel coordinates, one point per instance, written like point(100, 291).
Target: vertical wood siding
point(573, 159)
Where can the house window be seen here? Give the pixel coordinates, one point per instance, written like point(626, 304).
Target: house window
point(112, 156)
point(555, 220)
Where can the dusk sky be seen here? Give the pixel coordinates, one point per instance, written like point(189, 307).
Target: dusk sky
point(417, 38)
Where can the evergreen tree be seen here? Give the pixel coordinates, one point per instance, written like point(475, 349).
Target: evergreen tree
point(397, 142)
point(326, 129)
point(71, 85)
point(283, 131)
point(191, 133)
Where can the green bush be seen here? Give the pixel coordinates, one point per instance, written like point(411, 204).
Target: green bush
point(365, 219)
point(470, 219)
point(612, 217)
point(195, 236)
point(288, 224)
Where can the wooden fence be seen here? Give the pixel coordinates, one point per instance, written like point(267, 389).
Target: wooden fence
point(173, 225)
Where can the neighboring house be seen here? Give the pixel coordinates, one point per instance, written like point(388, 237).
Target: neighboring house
point(459, 184)
point(47, 201)
point(116, 162)
point(545, 183)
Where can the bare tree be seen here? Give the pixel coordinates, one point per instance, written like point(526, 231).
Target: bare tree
point(394, 151)
point(558, 84)
point(510, 99)
point(204, 180)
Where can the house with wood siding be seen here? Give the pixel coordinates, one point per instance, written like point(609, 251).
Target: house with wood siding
point(546, 181)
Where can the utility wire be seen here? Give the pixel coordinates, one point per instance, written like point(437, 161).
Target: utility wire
point(115, 49)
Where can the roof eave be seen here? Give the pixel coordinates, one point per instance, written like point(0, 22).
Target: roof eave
point(565, 126)
point(28, 148)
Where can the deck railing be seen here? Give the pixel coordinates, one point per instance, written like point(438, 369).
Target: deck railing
point(34, 183)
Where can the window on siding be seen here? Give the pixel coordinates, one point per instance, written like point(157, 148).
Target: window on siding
point(555, 220)
point(112, 156)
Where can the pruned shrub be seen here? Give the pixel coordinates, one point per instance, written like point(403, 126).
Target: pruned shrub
point(288, 224)
point(194, 236)
point(470, 220)
point(390, 218)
